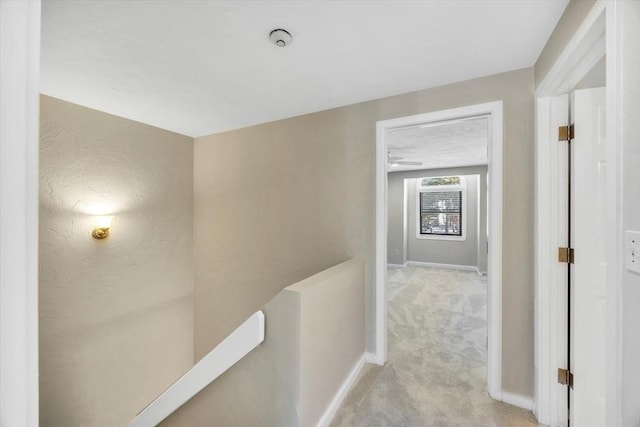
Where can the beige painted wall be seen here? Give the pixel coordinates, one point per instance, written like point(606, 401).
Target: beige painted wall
point(332, 341)
point(277, 202)
point(262, 388)
point(314, 337)
point(270, 210)
point(116, 316)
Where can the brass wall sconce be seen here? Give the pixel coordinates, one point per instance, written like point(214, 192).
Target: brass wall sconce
point(103, 224)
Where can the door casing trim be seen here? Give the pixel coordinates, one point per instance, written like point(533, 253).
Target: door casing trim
point(494, 110)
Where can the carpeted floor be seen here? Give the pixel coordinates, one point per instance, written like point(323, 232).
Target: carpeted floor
point(436, 369)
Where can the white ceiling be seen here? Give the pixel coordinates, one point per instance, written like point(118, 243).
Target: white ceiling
point(440, 145)
point(202, 67)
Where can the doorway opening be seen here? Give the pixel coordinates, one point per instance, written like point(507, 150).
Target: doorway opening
point(492, 112)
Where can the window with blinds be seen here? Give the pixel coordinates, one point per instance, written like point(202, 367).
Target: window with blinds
point(441, 212)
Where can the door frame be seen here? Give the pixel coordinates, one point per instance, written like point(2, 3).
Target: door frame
point(494, 110)
point(597, 36)
point(19, 118)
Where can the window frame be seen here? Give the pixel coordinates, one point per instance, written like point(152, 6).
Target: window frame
point(440, 188)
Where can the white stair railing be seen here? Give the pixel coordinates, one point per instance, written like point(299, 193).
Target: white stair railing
point(241, 341)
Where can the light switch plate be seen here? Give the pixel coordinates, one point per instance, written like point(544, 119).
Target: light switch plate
point(632, 251)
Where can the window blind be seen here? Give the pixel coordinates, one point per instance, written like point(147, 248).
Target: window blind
point(441, 212)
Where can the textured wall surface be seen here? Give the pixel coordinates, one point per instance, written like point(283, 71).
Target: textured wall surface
point(278, 202)
point(116, 316)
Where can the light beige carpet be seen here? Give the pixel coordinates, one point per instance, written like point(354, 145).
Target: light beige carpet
point(436, 369)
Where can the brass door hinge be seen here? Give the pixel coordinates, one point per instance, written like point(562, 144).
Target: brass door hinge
point(565, 377)
point(566, 133)
point(566, 255)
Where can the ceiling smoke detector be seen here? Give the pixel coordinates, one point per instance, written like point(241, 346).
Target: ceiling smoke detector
point(280, 37)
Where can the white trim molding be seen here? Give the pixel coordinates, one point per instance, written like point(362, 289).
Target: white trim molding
point(337, 400)
point(19, 121)
point(548, 236)
point(615, 93)
point(370, 358)
point(493, 110)
point(437, 265)
point(583, 51)
point(397, 266)
point(445, 266)
point(517, 400)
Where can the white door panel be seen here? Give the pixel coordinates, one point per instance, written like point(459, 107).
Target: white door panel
point(588, 276)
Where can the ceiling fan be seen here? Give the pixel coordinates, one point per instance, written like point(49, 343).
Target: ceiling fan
point(394, 161)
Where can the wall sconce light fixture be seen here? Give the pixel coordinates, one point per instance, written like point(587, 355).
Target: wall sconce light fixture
point(103, 224)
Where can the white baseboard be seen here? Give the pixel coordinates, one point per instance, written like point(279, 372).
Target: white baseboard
point(447, 266)
point(396, 266)
point(481, 273)
point(337, 400)
point(373, 359)
point(506, 397)
point(517, 400)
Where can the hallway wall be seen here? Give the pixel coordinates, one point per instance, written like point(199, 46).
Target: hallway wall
point(116, 315)
point(277, 202)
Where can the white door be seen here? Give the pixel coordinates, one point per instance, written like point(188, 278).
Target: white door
point(588, 273)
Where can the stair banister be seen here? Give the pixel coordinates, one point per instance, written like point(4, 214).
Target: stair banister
point(226, 354)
